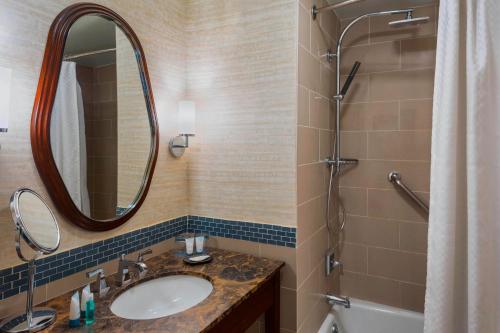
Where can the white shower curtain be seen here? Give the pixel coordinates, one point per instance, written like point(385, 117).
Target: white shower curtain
point(67, 136)
point(463, 270)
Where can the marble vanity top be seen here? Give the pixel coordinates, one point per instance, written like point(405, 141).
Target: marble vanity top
point(235, 276)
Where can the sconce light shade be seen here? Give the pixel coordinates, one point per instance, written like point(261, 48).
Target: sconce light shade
point(5, 83)
point(187, 117)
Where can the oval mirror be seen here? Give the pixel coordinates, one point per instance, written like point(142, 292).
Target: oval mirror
point(94, 127)
point(35, 220)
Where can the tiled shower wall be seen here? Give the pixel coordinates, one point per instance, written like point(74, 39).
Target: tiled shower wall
point(315, 122)
point(386, 124)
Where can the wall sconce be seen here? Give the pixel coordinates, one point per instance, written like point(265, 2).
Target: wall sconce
point(186, 115)
point(5, 79)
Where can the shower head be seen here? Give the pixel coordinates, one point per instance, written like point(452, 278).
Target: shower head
point(409, 20)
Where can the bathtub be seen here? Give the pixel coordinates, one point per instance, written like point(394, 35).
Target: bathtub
point(367, 317)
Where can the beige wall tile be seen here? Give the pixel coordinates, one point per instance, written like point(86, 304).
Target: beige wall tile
point(380, 30)
point(318, 247)
point(320, 39)
point(392, 264)
point(370, 116)
point(394, 204)
point(359, 91)
point(412, 297)
point(371, 288)
point(310, 181)
point(304, 28)
point(400, 145)
point(373, 174)
point(353, 145)
point(310, 218)
point(304, 265)
point(288, 256)
point(354, 200)
point(354, 257)
point(313, 321)
point(413, 237)
point(235, 245)
point(411, 84)
point(288, 310)
point(308, 295)
point(307, 145)
point(327, 80)
point(418, 52)
point(303, 106)
point(319, 111)
point(416, 114)
point(379, 57)
point(308, 70)
point(325, 144)
point(371, 231)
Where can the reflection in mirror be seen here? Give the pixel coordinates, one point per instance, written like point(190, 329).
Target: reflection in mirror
point(37, 221)
point(100, 130)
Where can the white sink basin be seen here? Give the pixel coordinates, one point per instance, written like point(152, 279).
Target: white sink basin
point(161, 297)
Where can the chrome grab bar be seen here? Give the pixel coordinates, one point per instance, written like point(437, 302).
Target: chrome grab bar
point(395, 178)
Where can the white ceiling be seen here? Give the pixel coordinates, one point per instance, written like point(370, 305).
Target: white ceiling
point(368, 6)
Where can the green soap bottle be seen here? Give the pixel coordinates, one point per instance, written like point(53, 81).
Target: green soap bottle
point(90, 310)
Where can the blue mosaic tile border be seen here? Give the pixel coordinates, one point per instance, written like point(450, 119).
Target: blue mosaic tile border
point(253, 232)
point(13, 280)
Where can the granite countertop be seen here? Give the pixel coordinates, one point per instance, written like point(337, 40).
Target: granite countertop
point(235, 276)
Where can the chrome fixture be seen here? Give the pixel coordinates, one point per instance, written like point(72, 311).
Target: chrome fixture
point(338, 300)
point(329, 56)
point(100, 286)
point(331, 263)
point(395, 178)
point(409, 20)
point(85, 54)
point(125, 267)
point(37, 226)
point(337, 162)
point(315, 11)
point(186, 115)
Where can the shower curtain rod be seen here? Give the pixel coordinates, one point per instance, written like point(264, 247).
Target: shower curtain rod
point(84, 54)
point(315, 11)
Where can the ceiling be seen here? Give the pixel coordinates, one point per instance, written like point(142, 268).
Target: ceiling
point(368, 6)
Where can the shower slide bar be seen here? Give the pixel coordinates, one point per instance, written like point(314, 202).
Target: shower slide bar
point(395, 178)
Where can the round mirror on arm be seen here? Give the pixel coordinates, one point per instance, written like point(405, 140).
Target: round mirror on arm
point(37, 227)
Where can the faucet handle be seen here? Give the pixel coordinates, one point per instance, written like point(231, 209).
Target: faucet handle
point(140, 257)
point(102, 286)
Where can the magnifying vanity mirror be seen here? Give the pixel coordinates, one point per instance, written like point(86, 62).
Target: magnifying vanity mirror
point(94, 130)
point(37, 227)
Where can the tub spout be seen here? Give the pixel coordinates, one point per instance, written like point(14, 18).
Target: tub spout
point(338, 300)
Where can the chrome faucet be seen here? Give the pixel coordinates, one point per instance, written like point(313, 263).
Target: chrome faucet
point(338, 300)
point(99, 286)
point(125, 267)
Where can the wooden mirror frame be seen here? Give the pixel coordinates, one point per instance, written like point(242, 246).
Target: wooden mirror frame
point(42, 110)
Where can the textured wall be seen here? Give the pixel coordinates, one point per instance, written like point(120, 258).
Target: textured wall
point(160, 28)
point(242, 74)
point(315, 122)
point(386, 124)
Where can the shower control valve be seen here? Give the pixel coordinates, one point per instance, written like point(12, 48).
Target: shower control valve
point(331, 263)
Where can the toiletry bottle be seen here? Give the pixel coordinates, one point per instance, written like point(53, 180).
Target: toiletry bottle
point(84, 299)
point(90, 311)
point(74, 310)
